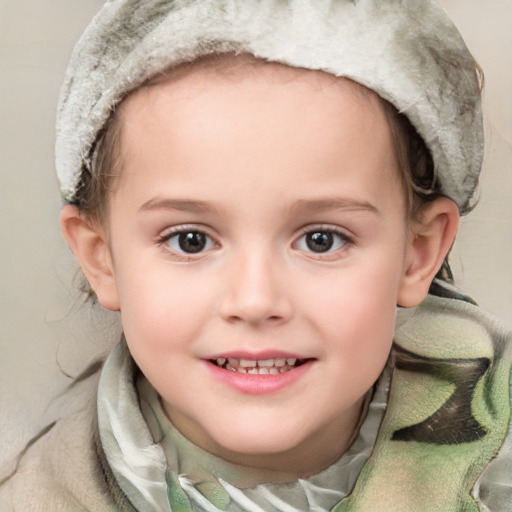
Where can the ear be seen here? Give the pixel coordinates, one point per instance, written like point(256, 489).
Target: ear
point(89, 245)
point(431, 239)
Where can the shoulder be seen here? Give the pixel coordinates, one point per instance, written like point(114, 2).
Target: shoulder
point(453, 326)
point(63, 469)
point(458, 343)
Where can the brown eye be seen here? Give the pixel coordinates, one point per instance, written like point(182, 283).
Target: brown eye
point(192, 242)
point(320, 241)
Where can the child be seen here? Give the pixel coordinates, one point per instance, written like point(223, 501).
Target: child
point(256, 186)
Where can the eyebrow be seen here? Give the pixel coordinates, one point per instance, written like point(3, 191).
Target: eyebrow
point(300, 206)
point(184, 205)
point(332, 203)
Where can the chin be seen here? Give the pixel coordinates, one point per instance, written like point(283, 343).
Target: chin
point(265, 441)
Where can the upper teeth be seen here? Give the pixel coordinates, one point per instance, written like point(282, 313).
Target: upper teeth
point(258, 366)
point(261, 363)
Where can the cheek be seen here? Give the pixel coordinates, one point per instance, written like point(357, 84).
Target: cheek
point(164, 306)
point(355, 310)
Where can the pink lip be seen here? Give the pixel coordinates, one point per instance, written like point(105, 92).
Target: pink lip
point(258, 384)
point(257, 356)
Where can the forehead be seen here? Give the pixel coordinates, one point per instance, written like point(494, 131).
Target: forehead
point(253, 122)
point(239, 70)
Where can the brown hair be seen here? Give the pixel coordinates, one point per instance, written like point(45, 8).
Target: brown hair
point(98, 179)
point(414, 160)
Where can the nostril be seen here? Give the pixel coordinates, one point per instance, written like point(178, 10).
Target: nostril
point(234, 319)
point(253, 315)
point(246, 305)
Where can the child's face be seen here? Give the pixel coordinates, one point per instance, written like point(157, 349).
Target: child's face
point(259, 217)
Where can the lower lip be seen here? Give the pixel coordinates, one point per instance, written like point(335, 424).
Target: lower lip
point(259, 384)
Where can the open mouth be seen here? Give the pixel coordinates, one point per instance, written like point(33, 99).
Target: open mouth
point(258, 367)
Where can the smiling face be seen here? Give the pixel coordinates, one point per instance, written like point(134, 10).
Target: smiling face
point(259, 241)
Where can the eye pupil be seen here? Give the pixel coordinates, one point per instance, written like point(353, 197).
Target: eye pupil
point(320, 241)
point(192, 241)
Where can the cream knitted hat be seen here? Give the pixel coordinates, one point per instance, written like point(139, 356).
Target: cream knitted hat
point(407, 51)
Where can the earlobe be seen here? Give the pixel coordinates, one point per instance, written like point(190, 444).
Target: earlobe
point(89, 245)
point(431, 240)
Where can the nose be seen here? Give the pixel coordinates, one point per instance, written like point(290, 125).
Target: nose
point(255, 292)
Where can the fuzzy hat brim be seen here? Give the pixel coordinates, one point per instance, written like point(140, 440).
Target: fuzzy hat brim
point(408, 52)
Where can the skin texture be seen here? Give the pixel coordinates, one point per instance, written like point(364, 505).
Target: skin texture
point(255, 161)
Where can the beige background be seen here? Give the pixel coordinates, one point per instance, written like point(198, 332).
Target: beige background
point(43, 331)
